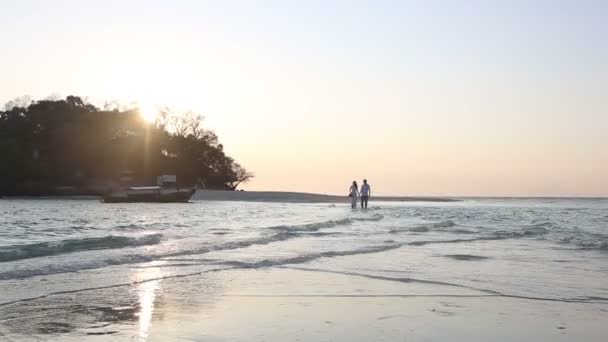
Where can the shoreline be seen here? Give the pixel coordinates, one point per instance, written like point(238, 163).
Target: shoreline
point(261, 196)
point(303, 197)
point(299, 197)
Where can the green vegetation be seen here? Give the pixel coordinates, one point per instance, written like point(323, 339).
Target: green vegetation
point(49, 145)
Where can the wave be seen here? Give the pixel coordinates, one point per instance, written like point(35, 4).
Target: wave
point(443, 224)
point(313, 227)
point(541, 224)
point(419, 229)
point(144, 226)
point(526, 232)
point(593, 244)
point(423, 228)
point(69, 246)
point(375, 217)
point(310, 257)
point(140, 258)
point(19, 252)
point(465, 257)
point(434, 225)
point(131, 226)
point(429, 242)
point(279, 236)
point(463, 231)
point(586, 241)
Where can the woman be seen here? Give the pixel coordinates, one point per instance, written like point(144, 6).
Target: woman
point(353, 194)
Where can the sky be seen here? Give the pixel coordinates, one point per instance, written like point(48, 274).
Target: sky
point(457, 98)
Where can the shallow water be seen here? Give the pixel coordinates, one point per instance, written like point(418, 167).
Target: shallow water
point(546, 250)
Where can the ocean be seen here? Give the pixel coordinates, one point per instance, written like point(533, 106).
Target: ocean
point(77, 267)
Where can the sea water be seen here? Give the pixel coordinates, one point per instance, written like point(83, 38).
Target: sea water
point(537, 249)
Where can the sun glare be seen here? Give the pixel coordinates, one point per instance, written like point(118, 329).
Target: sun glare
point(147, 111)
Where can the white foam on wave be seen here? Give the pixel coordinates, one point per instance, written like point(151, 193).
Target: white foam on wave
point(312, 227)
point(443, 224)
point(283, 233)
point(18, 252)
point(373, 218)
point(593, 244)
point(312, 256)
point(315, 226)
point(426, 227)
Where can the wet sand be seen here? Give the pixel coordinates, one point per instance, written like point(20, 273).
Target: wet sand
point(287, 304)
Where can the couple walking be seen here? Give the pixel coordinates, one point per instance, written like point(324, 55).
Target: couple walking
point(363, 194)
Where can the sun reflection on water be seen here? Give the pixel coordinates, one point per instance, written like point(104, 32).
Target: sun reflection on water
point(147, 295)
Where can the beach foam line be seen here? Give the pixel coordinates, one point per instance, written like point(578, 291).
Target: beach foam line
point(19, 252)
point(86, 289)
point(488, 292)
point(352, 295)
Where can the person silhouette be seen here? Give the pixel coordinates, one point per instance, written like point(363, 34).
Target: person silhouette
point(353, 194)
point(366, 191)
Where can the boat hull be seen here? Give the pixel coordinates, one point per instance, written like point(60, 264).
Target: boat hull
point(174, 197)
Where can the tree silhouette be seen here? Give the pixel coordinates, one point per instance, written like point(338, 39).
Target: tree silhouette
point(51, 143)
point(240, 175)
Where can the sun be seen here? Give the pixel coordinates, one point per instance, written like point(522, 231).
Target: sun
point(147, 111)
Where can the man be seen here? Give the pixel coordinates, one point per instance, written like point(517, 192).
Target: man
point(366, 191)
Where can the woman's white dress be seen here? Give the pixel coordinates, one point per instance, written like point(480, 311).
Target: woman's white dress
point(353, 196)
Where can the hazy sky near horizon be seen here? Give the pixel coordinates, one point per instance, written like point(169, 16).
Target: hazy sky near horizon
point(502, 98)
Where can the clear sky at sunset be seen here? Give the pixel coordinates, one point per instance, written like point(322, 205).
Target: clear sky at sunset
point(421, 97)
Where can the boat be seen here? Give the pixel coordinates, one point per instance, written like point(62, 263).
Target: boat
point(153, 194)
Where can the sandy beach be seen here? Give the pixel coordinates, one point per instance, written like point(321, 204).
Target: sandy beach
point(299, 197)
point(299, 305)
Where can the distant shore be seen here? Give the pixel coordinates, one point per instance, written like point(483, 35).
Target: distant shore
point(299, 197)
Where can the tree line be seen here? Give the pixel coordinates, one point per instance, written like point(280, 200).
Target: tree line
point(50, 145)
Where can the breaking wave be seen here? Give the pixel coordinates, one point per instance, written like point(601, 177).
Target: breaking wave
point(69, 246)
point(443, 224)
point(465, 257)
point(375, 217)
point(526, 232)
point(593, 244)
point(18, 252)
point(423, 228)
point(313, 227)
point(310, 257)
